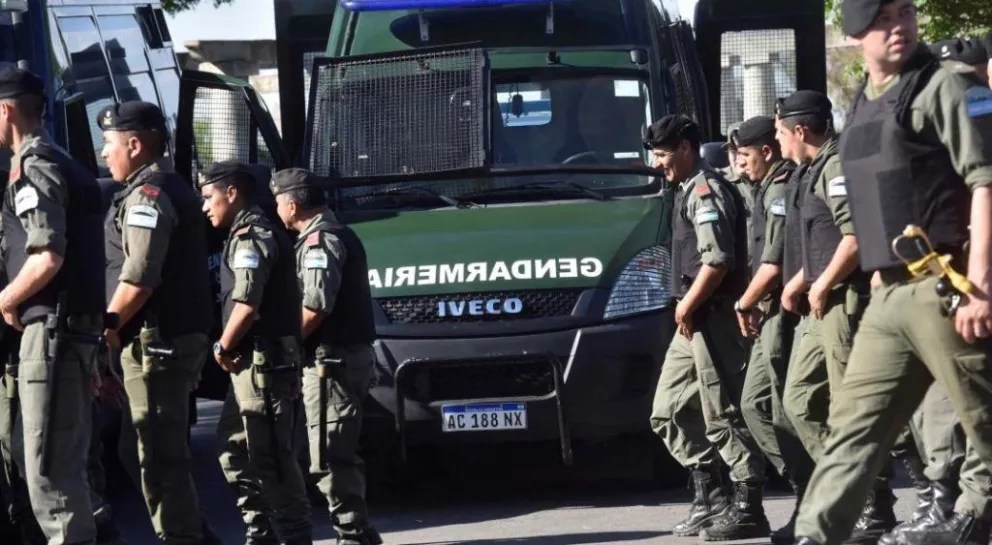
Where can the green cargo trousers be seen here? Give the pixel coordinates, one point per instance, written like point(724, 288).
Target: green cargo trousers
point(263, 470)
point(61, 500)
point(945, 450)
point(902, 345)
point(158, 401)
point(343, 480)
point(761, 401)
point(818, 367)
point(696, 409)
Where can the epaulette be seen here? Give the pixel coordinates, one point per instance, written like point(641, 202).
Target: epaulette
point(313, 239)
point(243, 231)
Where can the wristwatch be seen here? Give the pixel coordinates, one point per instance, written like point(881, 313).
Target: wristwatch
point(739, 309)
point(220, 351)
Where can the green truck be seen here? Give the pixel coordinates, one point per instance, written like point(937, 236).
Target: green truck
point(489, 154)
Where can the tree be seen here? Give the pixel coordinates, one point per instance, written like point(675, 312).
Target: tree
point(175, 6)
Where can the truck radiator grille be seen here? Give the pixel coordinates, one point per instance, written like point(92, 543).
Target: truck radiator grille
point(477, 307)
point(485, 379)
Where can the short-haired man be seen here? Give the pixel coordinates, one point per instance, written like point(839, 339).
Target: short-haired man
point(338, 330)
point(54, 263)
point(260, 348)
point(915, 152)
point(158, 286)
point(759, 309)
point(696, 408)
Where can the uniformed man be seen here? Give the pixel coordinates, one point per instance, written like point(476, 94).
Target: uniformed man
point(338, 331)
point(696, 408)
point(949, 469)
point(740, 182)
point(54, 260)
point(260, 348)
point(157, 285)
point(759, 310)
point(829, 280)
point(916, 152)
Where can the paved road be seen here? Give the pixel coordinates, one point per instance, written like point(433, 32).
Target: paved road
point(517, 502)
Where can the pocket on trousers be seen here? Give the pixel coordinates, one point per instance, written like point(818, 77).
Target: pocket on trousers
point(976, 368)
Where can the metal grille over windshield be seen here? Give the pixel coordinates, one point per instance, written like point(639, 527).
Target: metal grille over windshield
point(398, 115)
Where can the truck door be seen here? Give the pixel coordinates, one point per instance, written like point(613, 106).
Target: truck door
point(223, 119)
point(757, 51)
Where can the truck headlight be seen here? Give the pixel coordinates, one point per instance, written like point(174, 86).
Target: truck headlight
point(643, 285)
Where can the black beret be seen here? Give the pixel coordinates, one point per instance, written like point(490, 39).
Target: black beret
point(754, 130)
point(131, 116)
point(290, 179)
point(16, 81)
point(971, 52)
point(225, 169)
point(858, 15)
point(804, 102)
point(669, 131)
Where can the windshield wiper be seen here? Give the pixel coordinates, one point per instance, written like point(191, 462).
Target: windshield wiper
point(416, 191)
point(557, 186)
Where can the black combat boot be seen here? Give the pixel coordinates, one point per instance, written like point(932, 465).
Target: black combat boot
point(363, 535)
point(710, 501)
point(958, 530)
point(944, 495)
point(877, 516)
point(744, 520)
point(787, 534)
point(260, 533)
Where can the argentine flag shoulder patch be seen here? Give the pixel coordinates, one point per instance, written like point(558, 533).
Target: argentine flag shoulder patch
point(245, 258)
point(315, 258)
point(706, 215)
point(778, 206)
point(979, 101)
point(142, 215)
point(837, 187)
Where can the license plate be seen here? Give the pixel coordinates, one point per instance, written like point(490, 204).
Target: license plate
point(484, 417)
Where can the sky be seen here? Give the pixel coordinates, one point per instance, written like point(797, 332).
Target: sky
point(248, 20)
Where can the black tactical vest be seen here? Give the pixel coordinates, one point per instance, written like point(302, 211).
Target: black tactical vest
point(792, 258)
point(81, 274)
point(350, 321)
point(686, 260)
point(182, 302)
point(820, 234)
point(758, 220)
point(279, 313)
point(896, 178)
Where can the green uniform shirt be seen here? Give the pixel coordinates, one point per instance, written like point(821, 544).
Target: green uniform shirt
point(146, 220)
point(941, 113)
point(319, 256)
point(250, 254)
point(712, 212)
point(773, 203)
point(40, 196)
point(831, 188)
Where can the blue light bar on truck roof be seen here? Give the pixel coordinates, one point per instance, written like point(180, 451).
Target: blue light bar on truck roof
point(380, 5)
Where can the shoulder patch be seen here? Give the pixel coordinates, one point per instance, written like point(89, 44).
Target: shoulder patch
point(315, 258)
point(706, 214)
point(837, 187)
point(151, 190)
point(703, 187)
point(26, 199)
point(777, 207)
point(313, 239)
point(979, 101)
point(243, 231)
point(142, 215)
point(245, 258)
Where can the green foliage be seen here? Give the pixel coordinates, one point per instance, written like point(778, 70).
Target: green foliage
point(175, 6)
point(940, 19)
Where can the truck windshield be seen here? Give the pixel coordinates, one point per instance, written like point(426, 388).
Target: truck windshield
point(8, 47)
point(545, 130)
